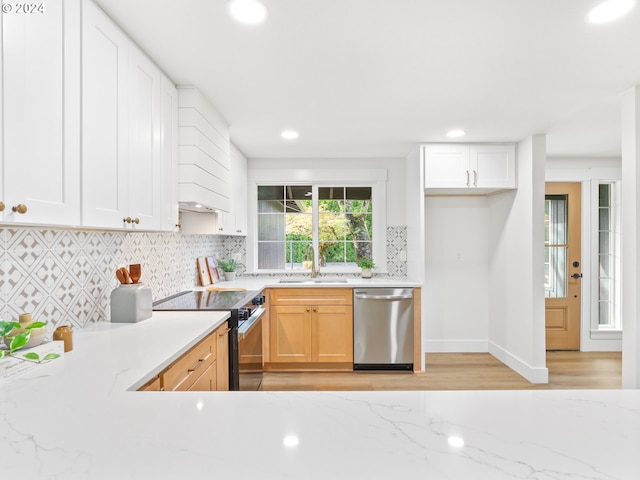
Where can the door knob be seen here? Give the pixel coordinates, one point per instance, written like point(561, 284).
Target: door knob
point(575, 276)
point(1, 206)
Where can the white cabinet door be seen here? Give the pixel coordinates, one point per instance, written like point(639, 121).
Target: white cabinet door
point(41, 115)
point(493, 166)
point(2, 204)
point(447, 166)
point(169, 154)
point(105, 62)
point(145, 205)
point(123, 138)
point(234, 222)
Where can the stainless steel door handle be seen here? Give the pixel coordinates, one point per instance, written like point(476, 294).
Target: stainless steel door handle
point(383, 297)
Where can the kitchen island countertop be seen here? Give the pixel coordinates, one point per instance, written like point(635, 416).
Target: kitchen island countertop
point(78, 418)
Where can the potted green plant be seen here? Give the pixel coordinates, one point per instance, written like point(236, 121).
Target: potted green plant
point(229, 268)
point(366, 264)
point(17, 336)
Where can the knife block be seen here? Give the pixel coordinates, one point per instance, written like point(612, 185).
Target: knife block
point(130, 303)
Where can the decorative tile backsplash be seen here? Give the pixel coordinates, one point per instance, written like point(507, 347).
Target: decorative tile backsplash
point(397, 251)
point(66, 276)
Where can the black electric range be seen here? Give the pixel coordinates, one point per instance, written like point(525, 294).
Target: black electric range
point(244, 307)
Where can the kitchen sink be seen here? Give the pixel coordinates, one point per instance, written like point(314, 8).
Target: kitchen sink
point(313, 280)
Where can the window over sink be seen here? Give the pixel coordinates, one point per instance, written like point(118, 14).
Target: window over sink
point(295, 221)
point(304, 215)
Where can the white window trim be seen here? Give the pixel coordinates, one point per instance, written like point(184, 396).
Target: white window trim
point(375, 178)
point(597, 331)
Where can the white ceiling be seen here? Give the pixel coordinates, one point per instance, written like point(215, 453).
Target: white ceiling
point(372, 78)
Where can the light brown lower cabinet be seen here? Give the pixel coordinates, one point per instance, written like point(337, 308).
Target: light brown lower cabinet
point(311, 328)
point(205, 367)
point(208, 381)
point(152, 385)
point(222, 362)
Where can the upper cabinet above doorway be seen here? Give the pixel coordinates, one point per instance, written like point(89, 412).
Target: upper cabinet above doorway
point(469, 169)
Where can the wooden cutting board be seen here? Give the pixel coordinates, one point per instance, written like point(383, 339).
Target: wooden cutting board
point(213, 270)
point(203, 272)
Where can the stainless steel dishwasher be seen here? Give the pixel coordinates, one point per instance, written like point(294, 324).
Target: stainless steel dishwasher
point(383, 329)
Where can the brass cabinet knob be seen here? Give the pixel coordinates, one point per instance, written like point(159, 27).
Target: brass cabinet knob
point(21, 208)
point(136, 220)
point(221, 229)
point(127, 220)
point(1, 206)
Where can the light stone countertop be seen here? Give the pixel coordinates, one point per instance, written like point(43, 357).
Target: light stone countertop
point(260, 283)
point(76, 418)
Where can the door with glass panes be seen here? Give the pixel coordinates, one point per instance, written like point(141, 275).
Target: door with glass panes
point(563, 277)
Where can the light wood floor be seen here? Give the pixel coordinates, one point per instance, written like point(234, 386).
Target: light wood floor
point(464, 371)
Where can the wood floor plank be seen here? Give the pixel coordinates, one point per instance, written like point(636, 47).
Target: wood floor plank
point(464, 371)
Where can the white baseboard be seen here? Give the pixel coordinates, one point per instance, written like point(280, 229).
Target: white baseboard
point(533, 374)
point(455, 346)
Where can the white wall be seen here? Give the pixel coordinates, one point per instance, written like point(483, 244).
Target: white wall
point(630, 237)
point(516, 267)
point(414, 211)
point(455, 298)
point(396, 196)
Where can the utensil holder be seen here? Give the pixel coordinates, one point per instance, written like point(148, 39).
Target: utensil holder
point(130, 303)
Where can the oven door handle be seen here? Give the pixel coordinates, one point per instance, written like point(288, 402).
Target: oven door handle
point(253, 319)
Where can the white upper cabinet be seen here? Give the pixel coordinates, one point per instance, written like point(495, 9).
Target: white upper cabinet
point(41, 116)
point(493, 166)
point(467, 169)
point(169, 153)
point(203, 141)
point(129, 126)
point(446, 166)
point(145, 174)
point(105, 65)
point(234, 222)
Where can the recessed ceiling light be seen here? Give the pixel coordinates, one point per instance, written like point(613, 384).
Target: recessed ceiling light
point(248, 11)
point(289, 134)
point(455, 133)
point(610, 10)
point(197, 205)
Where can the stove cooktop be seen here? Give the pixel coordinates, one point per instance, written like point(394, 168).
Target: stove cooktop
point(217, 300)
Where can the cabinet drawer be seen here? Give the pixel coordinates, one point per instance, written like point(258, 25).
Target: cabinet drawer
point(152, 385)
point(207, 381)
point(311, 296)
point(188, 368)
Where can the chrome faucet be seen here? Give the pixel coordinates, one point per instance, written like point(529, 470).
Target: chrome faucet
point(314, 271)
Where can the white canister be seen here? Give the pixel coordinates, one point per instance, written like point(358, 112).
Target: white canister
point(130, 303)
